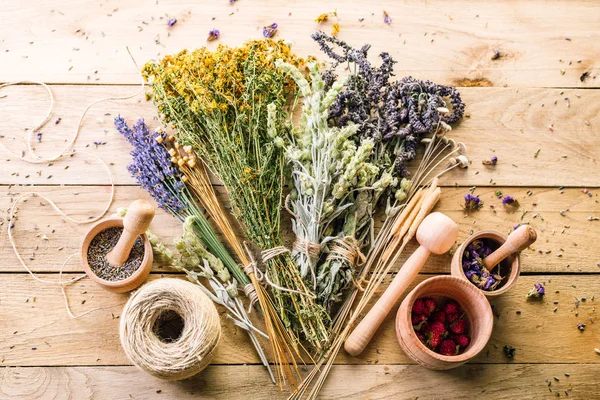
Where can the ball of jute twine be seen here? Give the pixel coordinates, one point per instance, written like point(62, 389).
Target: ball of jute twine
point(184, 356)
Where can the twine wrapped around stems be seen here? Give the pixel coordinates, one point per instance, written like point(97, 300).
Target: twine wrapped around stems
point(181, 357)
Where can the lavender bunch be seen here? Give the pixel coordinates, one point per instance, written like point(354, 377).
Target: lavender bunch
point(153, 170)
point(395, 114)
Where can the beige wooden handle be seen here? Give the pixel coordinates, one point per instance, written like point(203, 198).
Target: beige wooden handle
point(516, 242)
point(136, 222)
point(363, 333)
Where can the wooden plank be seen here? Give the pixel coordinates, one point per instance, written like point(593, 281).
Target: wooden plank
point(565, 243)
point(39, 332)
point(510, 381)
point(447, 42)
point(512, 124)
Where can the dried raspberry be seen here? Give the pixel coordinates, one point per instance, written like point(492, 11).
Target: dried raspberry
point(459, 326)
point(433, 340)
point(418, 318)
point(462, 340)
point(437, 328)
point(419, 307)
point(421, 337)
point(450, 318)
point(451, 308)
point(439, 316)
point(448, 348)
point(419, 322)
point(430, 306)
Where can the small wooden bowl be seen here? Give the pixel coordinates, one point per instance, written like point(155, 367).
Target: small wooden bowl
point(480, 320)
point(125, 285)
point(512, 263)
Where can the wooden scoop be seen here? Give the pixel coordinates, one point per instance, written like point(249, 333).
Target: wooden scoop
point(436, 234)
point(520, 239)
point(136, 222)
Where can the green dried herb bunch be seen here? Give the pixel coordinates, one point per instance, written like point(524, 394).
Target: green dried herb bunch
point(330, 169)
point(227, 104)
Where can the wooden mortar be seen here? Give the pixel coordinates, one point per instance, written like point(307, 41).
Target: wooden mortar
point(135, 223)
point(507, 254)
point(478, 312)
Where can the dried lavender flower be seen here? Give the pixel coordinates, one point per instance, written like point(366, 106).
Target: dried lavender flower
point(509, 351)
point(213, 34)
point(537, 292)
point(510, 201)
point(172, 22)
point(386, 18)
point(491, 161)
point(270, 30)
point(472, 203)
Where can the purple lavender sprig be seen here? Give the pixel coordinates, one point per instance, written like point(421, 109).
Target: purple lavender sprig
point(152, 168)
point(510, 201)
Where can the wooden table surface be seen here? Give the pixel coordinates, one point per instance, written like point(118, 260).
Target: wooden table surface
point(536, 107)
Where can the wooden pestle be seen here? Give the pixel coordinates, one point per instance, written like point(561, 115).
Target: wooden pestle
point(135, 223)
point(520, 239)
point(436, 234)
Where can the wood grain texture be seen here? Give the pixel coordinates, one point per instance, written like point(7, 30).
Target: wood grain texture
point(449, 42)
point(512, 124)
point(566, 244)
point(503, 382)
point(40, 333)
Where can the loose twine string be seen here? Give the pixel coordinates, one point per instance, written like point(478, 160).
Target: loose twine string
point(34, 158)
point(186, 355)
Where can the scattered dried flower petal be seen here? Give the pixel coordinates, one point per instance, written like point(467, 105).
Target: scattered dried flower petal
point(213, 34)
point(491, 161)
point(386, 18)
point(322, 18)
point(270, 30)
point(537, 292)
point(172, 22)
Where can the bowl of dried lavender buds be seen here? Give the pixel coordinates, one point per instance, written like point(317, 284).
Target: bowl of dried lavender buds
point(99, 241)
point(444, 322)
point(468, 263)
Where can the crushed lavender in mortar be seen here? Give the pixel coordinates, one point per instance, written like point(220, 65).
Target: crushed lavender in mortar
point(474, 270)
point(102, 244)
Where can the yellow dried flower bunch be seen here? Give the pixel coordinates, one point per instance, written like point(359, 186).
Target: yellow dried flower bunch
point(216, 80)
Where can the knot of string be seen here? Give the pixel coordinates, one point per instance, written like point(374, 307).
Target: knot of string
point(348, 251)
point(254, 267)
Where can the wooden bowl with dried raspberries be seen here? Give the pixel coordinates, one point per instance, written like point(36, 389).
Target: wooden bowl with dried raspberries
point(444, 322)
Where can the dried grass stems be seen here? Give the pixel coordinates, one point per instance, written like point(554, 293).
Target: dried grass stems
point(398, 229)
point(198, 180)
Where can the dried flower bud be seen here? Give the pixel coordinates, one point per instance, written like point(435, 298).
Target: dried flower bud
point(172, 152)
point(400, 195)
point(180, 162)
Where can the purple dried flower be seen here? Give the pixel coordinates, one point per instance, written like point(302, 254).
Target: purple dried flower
point(172, 22)
point(58, 120)
point(213, 34)
point(152, 168)
point(39, 136)
point(270, 30)
point(398, 113)
point(537, 292)
point(581, 326)
point(510, 201)
point(386, 18)
point(472, 203)
point(491, 161)
point(472, 264)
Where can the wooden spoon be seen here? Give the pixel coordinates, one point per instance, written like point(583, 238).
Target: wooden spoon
point(520, 239)
point(136, 222)
point(436, 234)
